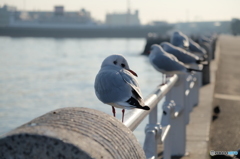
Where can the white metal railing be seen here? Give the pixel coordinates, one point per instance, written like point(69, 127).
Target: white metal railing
point(169, 128)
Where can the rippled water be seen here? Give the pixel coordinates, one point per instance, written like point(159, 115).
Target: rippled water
point(38, 75)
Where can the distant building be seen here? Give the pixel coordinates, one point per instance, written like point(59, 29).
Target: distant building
point(235, 26)
point(59, 10)
point(6, 15)
point(9, 16)
point(206, 27)
point(123, 19)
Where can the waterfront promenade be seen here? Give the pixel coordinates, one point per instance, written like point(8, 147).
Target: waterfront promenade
point(203, 134)
point(225, 130)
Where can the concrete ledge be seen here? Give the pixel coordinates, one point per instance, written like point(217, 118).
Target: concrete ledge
point(71, 133)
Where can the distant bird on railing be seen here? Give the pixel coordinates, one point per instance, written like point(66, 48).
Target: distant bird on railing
point(180, 40)
point(183, 41)
point(167, 63)
point(205, 39)
point(181, 54)
point(117, 85)
point(196, 48)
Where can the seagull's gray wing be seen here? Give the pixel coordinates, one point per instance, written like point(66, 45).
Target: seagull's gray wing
point(110, 86)
point(131, 80)
point(182, 55)
point(168, 63)
point(171, 56)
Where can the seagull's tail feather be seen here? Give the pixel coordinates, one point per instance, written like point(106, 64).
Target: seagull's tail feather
point(191, 69)
point(143, 107)
point(132, 101)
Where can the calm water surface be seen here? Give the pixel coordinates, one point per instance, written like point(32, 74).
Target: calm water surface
point(38, 75)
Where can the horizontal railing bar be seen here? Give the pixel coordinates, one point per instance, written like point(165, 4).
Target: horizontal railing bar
point(134, 117)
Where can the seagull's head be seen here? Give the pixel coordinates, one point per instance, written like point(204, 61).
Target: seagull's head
point(156, 49)
point(180, 40)
point(117, 61)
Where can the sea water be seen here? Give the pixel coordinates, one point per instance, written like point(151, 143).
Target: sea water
point(38, 75)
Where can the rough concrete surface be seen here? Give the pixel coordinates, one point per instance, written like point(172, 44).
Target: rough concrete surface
point(225, 129)
point(76, 133)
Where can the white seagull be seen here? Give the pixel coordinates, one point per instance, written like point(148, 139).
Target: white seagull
point(116, 85)
point(183, 41)
point(181, 54)
point(197, 49)
point(180, 40)
point(167, 63)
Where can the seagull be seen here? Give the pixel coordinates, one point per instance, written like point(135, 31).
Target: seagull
point(167, 63)
point(181, 54)
point(196, 48)
point(117, 85)
point(183, 41)
point(180, 40)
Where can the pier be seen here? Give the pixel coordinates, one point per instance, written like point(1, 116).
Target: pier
point(185, 126)
point(225, 130)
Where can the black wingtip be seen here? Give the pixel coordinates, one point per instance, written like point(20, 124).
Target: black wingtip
point(146, 108)
point(198, 61)
point(191, 69)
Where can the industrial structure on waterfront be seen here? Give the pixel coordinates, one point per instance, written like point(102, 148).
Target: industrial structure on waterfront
point(62, 23)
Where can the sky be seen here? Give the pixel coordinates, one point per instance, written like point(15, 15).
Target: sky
point(149, 10)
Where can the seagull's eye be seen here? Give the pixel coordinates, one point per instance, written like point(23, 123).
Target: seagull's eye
point(123, 65)
point(115, 62)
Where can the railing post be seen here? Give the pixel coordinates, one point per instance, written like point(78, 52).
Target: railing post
point(166, 122)
point(152, 132)
point(196, 88)
point(178, 124)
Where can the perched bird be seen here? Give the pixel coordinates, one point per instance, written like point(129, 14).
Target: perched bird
point(181, 54)
point(197, 49)
point(167, 63)
point(180, 40)
point(183, 41)
point(117, 85)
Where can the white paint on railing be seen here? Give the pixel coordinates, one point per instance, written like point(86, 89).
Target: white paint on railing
point(169, 128)
point(135, 116)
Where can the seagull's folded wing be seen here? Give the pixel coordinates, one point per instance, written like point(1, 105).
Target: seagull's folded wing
point(132, 81)
point(110, 87)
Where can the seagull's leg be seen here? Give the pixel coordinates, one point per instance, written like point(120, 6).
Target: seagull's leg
point(113, 111)
point(162, 80)
point(166, 78)
point(123, 111)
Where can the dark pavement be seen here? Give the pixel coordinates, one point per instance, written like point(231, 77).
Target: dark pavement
point(225, 127)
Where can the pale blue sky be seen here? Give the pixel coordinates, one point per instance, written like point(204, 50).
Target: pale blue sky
point(168, 10)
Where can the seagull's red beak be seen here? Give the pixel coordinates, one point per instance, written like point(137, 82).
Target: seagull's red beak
point(134, 73)
point(149, 52)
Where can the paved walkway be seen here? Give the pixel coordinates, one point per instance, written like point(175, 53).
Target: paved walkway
point(225, 130)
